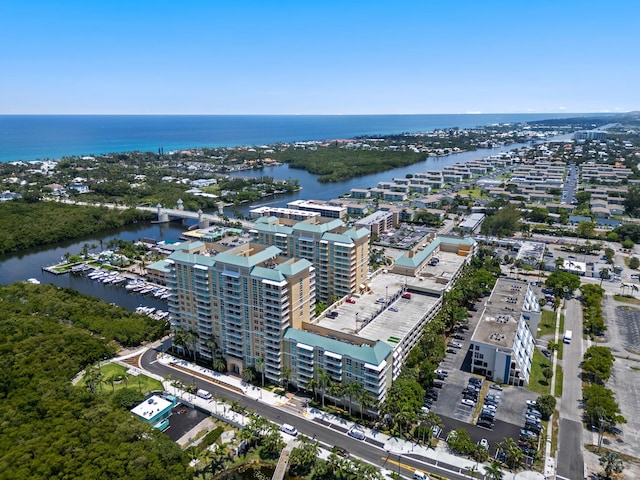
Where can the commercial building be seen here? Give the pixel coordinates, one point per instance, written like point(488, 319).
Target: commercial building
point(339, 254)
point(156, 410)
point(240, 302)
point(379, 222)
point(323, 208)
point(503, 342)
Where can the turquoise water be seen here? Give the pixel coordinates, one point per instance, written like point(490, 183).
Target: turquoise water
point(32, 137)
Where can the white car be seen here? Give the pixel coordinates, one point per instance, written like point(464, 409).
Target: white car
point(358, 434)
point(455, 345)
point(532, 403)
point(635, 276)
point(468, 402)
point(484, 443)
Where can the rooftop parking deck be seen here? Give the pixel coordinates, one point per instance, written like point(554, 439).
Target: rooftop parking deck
point(381, 313)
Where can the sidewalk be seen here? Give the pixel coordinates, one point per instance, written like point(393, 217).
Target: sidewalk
point(440, 456)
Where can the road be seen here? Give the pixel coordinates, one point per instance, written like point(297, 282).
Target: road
point(325, 433)
point(570, 441)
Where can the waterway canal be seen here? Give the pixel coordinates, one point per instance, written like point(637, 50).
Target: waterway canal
point(29, 263)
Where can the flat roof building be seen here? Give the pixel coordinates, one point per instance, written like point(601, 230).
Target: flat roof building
point(503, 342)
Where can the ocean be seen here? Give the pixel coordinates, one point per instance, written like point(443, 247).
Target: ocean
point(40, 137)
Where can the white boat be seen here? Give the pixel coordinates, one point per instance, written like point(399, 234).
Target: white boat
point(33, 281)
point(133, 285)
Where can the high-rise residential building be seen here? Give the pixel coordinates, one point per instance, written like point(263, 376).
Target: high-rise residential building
point(339, 254)
point(240, 302)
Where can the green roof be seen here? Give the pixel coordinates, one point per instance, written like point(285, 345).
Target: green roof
point(289, 269)
point(318, 227)
point(250, 261)
point(161, 265)
point(184, 257)
point(373, 355)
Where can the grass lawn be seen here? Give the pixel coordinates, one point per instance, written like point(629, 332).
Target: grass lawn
point(537, 382)
point(626, 299)
point(473, 193)
point(548, 323)
point(143, 382)
point(559, 377)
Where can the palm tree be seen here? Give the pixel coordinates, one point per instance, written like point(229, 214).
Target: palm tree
point(604, 274)
point(493, 471)
point(219, 364)
point(260, 368)
point(92, 378)
point(324, 380)
point(336, 390)
point(285, 376)
point(311, 386)
point(248, 375)
point(192, 339)
point(352, 390)
point(366, 400)
point(180, 339)
point(611, 463)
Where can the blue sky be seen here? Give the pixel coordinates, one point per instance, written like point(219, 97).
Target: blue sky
point(318, 57)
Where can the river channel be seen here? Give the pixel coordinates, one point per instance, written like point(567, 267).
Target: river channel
point(312, 189)
point(29, 263)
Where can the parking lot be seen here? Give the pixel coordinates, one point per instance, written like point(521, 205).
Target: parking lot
point(182, 420)
point(510, 410)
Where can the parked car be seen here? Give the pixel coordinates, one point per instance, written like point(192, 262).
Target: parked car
point(444, 373)
point(289, 429)
point(530, 418)
point(455, 344)
point(438, 384)
point(532, 403)
point(381, 300)
point(406, 295)
point(452, 350)
point(393, 309)
point(357, 434)
point(486, 423)
point(457, 336)
point(528, 434)
point(546, 353)
point(343, 452)
point(475, 380)
point(350, 300)
point(495, 386)
point(484, 443)
point(468, 402)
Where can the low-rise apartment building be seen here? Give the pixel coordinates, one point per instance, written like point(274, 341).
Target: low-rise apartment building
point(503, 342)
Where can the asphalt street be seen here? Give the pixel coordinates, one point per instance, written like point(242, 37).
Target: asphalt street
point(329, 436)
point(570, 441)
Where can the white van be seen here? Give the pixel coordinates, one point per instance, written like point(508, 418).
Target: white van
point(418, 475)
point(290, 429)
point(204, 394)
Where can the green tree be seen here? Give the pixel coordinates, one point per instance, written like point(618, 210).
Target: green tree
point(634, 263)
point(546, 404)
point(260, 368)
point(611, 463)
point(586, 229)
point(494, 471)
point(628, 244)
point(303, 458)
point(561, 281)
